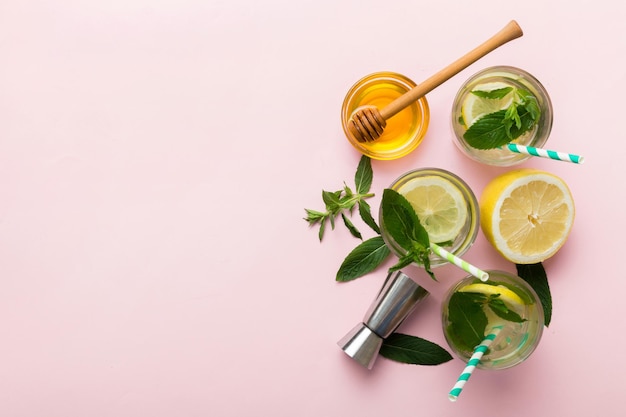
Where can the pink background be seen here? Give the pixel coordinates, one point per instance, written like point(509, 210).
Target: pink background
point(155, 160)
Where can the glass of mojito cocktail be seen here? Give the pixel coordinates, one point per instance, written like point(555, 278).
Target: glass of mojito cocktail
point(446, 207)
point(498, 106)
point(505, 306)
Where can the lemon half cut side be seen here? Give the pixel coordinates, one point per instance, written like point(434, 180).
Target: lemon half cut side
point(527, 215)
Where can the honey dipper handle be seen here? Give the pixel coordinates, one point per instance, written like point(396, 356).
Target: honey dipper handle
point(508, 33)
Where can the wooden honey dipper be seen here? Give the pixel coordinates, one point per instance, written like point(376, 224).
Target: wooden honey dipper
point(368, 123)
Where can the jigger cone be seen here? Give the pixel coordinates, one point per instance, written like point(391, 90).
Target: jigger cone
point(395, 301)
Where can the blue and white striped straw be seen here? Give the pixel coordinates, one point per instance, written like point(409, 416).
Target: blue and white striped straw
point(471, 364)
point(544, 153)
point(464, 265)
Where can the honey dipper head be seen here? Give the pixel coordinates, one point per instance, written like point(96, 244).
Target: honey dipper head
point(366, 124)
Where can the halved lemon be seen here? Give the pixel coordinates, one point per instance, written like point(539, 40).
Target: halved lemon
point(475, 107)
point(439, 204)
point(526, 214)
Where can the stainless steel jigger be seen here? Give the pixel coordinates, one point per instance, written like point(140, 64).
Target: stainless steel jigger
point(395, 301)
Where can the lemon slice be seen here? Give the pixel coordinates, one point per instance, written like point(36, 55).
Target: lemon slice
point(506, 295)
point(527, 215)
point(475, 107)
point(439, 205)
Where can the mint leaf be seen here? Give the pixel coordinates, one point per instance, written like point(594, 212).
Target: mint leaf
point(348, 193)
point(467, 319)
point(529, 101)
point(363, 259)
point(488, 132)
point(496, 94)
point(524, 122)
point(364, 175)
point(535, 276)
point(500, 308)
point(405, 260)
point(413, 350)
point(353, 230)
point(511, 116)
point(401, 222)
point(313, 216)
point(366, 214)
point(403, 225)
point(331, 199)
point(322, 228)
point(499, 128)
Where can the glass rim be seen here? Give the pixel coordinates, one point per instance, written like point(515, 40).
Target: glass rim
point(422, 111)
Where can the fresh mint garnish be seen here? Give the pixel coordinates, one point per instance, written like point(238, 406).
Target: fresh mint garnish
point(496, 94)
point(468, 320)
point(501, 127)
point(363, 259)
point(338, 203)
point(403, 225)
point(413, 350)
point(535, 275)
point(500, 308)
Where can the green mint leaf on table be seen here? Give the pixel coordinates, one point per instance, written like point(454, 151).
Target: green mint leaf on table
point(413, 350)
point(496, 94)
point(403, 225)
point(348, 193)
point(353, 230)
point(535, 275)
point(363, 259)
point(343, 201)
point(364, 176)
point(467, 319)
point(322, 228)
point(313, 216)
point(331, 199)
point(366, 215)
point(501, 127)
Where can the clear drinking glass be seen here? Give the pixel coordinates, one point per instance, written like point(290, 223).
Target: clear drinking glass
point(464, 233)
point(493, 78)
point(404, 131)
point(516, 340)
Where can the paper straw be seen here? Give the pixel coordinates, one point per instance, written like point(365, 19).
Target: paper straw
point(471, 364)
point(464, 265)
point(544, 153)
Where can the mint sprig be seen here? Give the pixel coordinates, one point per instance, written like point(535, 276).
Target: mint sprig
point(342, 202)
point(403, 225)
point(501, 127)
point(468, 320)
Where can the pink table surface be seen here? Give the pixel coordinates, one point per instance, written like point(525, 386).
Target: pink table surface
point(155, 161)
